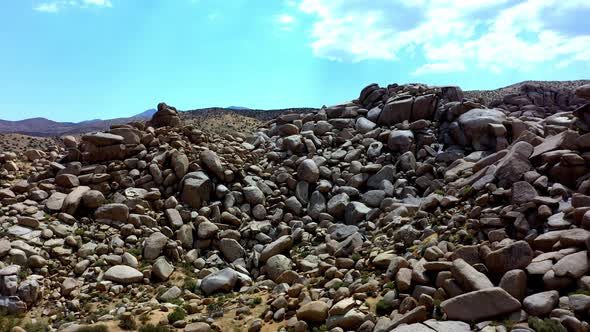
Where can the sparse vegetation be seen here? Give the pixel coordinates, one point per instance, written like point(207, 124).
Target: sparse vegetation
point(580, 292)
point(466, 191)
point(321, 328)
point(337, 285)
point(95, 328)
point(190, 284)
point(128, 323)
point(176, 315)
point(154, 328)
point(546, 325)
point(7, 322)
point(383, 308)
point(36, 327)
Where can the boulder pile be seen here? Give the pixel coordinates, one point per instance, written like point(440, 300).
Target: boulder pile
point(409, 208)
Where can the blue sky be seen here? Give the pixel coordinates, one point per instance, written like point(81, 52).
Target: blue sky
point(74, 60)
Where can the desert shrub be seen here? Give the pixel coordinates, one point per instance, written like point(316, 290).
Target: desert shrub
point(191, 285)
point(96, 328)
point(36, 327)
point(383, 308)
point(7, 322)
point(546, 325)
point(176, 315)
point(128, 324)
point(154, 328)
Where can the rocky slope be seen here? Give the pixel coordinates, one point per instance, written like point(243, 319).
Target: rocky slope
point(41, 127)
point(409, 208)
point(489, 96)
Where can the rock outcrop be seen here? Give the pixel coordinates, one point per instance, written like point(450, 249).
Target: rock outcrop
point(441, 210)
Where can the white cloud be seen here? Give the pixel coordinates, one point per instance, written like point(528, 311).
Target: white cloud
point(46, 7)
point(448, 67)
point(103, 3)
point(284, 19)
point(285, 22)
point(57, 5)
point(451, 34)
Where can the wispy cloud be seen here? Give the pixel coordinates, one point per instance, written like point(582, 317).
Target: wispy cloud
point(58, 5)
point(285, 21)
point(47, 7)
point(439, 68)
point(452, 35)
point(104, 3)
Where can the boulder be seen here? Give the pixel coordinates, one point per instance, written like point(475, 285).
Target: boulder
point(123, 274)
point(468, 277)
point(480, 305)
point(220, 281)
point(212, 163)
point(314, 311)
point(515, 163)
point(114, 213)
point(308, 171)
point(574, 265)
point(72, 201)
point(513, 256)
point(153, 245)
point(541, 304)
point(196, 189)
point(102, 139)
point(400, 140)
point(161, 269)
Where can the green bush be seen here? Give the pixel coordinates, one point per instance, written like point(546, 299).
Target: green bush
point(580, 292)
point(321, 328)
point(176, 315)
point(7, 322)
point(383, 308)
point(96, 328)
point(128, 324)
point(191, 285)
point(154, 328)
point(547, 325)
point(337, 285)
point(36, 327)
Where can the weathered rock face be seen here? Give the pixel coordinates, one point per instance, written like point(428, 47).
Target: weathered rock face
point(476, 127)
point(123, 274)
point(166, 116)
point(479, 305)
point(196, 189)
point(223, 280)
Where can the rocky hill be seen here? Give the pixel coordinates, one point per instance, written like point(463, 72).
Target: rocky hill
point(42, 127)
point(489, 96)
point(409, 208)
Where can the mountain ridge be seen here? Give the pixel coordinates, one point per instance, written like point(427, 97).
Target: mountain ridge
point(43, 127)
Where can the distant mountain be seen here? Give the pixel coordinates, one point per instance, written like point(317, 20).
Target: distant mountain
point(238, 108)
point(45, 127)
point(147, 114)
